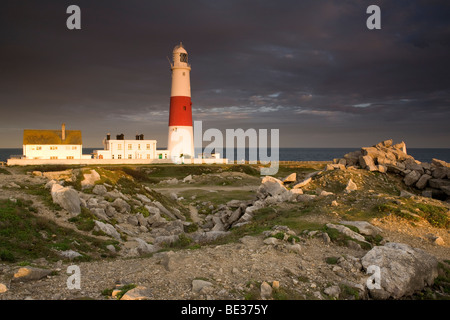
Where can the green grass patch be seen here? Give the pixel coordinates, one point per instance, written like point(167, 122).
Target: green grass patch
point(412, 210)
point(124, 290)
point(348, 292)
point(85, 220)
point(25, 236)
point(4, 171)
point(44, 195)
point(332, 260)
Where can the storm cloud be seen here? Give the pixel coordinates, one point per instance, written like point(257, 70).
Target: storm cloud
point(311, 69)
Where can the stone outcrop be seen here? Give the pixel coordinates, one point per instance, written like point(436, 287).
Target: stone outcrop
point(67, 198)
point(30, 274)
point(432, 178)
point(403, 270)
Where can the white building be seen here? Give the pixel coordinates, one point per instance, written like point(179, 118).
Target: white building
point(127, 149)
point(53, 144)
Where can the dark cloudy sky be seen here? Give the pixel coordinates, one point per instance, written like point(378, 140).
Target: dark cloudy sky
point(311, 69)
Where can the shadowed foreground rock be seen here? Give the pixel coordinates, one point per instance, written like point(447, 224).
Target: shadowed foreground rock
point(403, 269)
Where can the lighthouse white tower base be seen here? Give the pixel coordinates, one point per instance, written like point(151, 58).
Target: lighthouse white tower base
point(181, 143)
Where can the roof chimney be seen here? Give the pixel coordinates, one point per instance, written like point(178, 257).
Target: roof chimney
point(63, 132)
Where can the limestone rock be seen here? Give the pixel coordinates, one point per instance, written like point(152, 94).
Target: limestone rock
point(366, 162)
point(3, 288)
point(69, 254)
point(144, 247)
point(90, 179)
point(348, 232)
point(403, 269)
point(30, 274)
point(422, 182)
point(324, 193)
point(440, 173)
point(198, 285)
point(67, 198)
point(333, 291)
point(107, 228)
point(305, 197)
point(351, 186)
point(100, 190)
point(302, 183)
point(66, 175)
point(290, 178)
point(364, 227)
point(352, 158)
point(405, 194)
point(121, 205)
point(438, 183)
point(271, 186)
point(381, 168)
point(411, 178)
point(138, 293)
point(266, 291)
point(208, 236)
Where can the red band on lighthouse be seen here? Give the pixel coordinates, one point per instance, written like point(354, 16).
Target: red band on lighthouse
point(180, 111)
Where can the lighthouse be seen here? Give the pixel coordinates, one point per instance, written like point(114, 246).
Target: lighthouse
point(181, 135)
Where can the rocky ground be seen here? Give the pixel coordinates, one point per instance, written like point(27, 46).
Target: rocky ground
point(223, 232)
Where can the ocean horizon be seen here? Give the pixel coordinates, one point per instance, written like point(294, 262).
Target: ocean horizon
point(295, 154)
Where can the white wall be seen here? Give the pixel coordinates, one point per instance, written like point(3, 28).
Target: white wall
point(124, 149)
point(61, 151)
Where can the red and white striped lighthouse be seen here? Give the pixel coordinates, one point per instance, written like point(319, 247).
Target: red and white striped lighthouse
point(181, 137)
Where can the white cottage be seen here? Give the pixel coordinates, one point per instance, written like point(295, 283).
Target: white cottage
point(53, 144)
point(126, 149)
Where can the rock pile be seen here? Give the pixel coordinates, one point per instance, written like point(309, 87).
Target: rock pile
point(433, 179)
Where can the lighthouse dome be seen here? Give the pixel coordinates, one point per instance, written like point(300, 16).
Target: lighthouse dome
point(180, 56)
point(179, 49)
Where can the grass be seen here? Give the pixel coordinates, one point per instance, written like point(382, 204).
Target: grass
point(122, 291)
point(342, 239)
point(25, 236)
point(85, 220)
point(4, 171)
point(440, 290)
point(331, 260)
point(348, 293)
point(45, 196)
point(412, 210)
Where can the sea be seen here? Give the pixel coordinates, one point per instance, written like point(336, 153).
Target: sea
point(298, 154)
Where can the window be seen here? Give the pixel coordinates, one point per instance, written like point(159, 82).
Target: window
point(148, 146)
point(38, 148)
point(112, 157)
point(130, 147)
point(119, 156)
point(183, 57)
point(130, 156)
point(69, 157)
point(67, 147)
point(53, 158)
point(139, 147)
point(53, 148)
point(119, 146)
point(74, 148)
point(148, 155)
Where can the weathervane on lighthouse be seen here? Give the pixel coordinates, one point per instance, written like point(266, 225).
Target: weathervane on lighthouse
point(181, 135)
